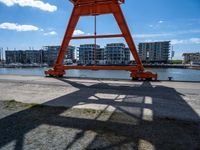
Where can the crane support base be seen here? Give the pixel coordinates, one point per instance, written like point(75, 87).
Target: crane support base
point(140, 76)
point(135, 75)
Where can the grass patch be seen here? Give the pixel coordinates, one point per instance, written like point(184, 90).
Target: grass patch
point(91, 111)
point(14, 104)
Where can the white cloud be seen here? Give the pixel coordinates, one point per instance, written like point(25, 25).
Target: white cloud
point(187, 41)
point(167, 34)
point(156, 25)
point(78, 32)
point(152, 35)
point(195, 31)
point(179, 41)
point(176, 42)
point(17, 27)
point(31, 3)
point(195, 40)
point(50, 33)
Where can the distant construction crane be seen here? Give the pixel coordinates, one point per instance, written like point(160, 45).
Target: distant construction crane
point(94, 8)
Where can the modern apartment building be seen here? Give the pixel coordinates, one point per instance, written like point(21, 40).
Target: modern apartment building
point(154, 52)
point(100, 60)
point(117, 54)
point(52, 53)
point(70, 53)
point(47, 55)
point(112, 54)
point(87, 54)
point(127, 55)
point(193, 58)
point(24, 57)
point(33, 56)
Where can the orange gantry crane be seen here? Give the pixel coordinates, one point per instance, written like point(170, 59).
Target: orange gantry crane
point(94, 8)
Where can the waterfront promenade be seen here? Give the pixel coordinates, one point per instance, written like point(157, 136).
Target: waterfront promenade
point(162, 98)
point(98, 114)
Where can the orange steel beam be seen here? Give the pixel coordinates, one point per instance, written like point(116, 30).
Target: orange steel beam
point(125, 68)
point(93, 8)
point(97, 36)
point(68, 35)
point(88, 2)
point(118, 14)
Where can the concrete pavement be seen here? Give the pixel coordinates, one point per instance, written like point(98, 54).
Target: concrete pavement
point(144, 100)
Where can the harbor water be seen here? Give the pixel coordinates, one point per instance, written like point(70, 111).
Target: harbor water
point(163, 73)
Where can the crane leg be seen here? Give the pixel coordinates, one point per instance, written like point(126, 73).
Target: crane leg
point(139, 74)
point(58, 69)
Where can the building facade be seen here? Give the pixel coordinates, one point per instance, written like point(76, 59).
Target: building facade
point(87, 54)
point(24, 57)
point(100, 56)
point(191, 58)
point(70, 53)
point(151, 52)
point(117, 54)
point(112, 54)
point(52, 53)
point(47, 55)
point(127, 56)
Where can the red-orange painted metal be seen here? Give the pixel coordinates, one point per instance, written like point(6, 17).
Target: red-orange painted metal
point(126, 68)
point(93, 8)
point(98, 36)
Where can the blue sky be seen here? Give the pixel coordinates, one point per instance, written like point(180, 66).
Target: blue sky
point(35, 23)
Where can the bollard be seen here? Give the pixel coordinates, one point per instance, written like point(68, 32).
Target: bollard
point(170, 78)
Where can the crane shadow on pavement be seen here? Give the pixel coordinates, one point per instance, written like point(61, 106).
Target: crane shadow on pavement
point(130, 117)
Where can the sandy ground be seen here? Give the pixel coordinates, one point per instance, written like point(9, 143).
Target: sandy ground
point(98, 114)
